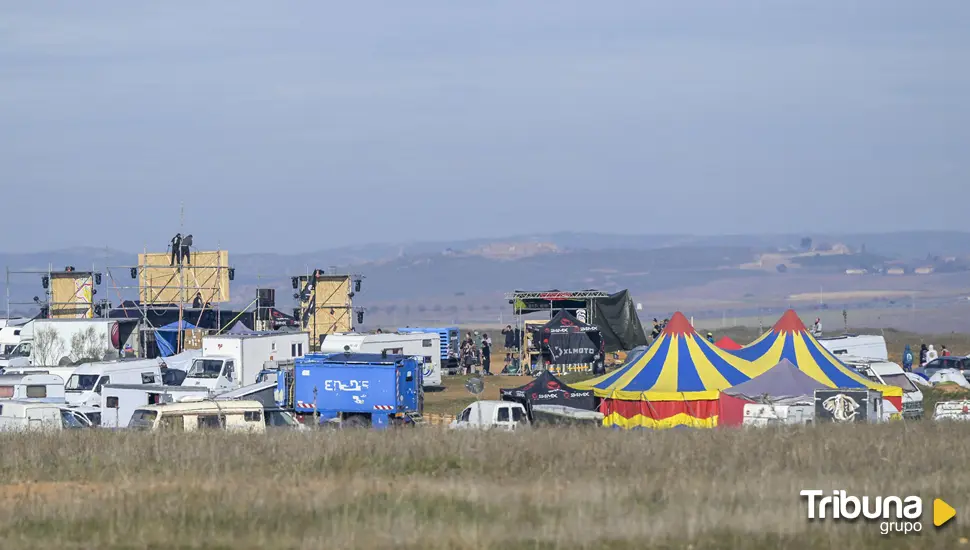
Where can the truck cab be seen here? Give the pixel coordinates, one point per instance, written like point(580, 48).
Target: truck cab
point(19, 356)
point(890, 374)
point(487, 415)
point(232, 361)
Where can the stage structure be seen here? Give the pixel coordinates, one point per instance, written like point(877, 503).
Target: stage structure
point(68, 294)
point(576, 302)
point(192, 287)
point(326, 303)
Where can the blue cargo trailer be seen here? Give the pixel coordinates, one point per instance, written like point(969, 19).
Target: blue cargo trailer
point(355, 389)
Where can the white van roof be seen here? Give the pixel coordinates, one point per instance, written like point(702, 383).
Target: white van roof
point(14, 406)
point(32, 378)
point(205, 407)
point(103, 367)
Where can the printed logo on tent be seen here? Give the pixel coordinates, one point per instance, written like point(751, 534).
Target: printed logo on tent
point(566, 323)
point(842, 407)
point(552, 385)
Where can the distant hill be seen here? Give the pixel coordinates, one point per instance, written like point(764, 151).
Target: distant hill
point(481, 270)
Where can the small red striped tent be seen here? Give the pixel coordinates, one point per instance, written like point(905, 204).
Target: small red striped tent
point(728, 344)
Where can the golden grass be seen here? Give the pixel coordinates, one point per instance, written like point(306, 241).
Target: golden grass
point(428, 488)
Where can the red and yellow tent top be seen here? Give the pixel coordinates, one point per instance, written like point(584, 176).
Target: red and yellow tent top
point(679, 366)
point(789, 339)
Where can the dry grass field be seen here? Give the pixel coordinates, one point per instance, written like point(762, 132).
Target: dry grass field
point(427, 489)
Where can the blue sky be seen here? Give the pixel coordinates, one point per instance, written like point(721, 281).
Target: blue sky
point(308, 125)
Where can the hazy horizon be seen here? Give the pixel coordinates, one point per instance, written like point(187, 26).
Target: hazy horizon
point(317, 126)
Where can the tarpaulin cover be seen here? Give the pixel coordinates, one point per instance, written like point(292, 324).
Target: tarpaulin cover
point(166, 337)
point(239, 328)
point(781, 381)
point(546, 389)
point(569, 341)
point(182, 361)
point(617, 319)
point(789, 339)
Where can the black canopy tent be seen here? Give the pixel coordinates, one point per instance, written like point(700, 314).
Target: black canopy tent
point(565, 340)
point(546, 389)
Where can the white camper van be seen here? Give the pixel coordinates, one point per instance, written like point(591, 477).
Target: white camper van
point(119, 401)
point(233, 416)
point(31, 386)
point(890, 374)
point(233, 361)
point(84, 386)
point(9, 338)
point(872, 346)
point(23, 416)
point(425, 345)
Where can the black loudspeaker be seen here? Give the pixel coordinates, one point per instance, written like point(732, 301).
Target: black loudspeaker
point(267, 297)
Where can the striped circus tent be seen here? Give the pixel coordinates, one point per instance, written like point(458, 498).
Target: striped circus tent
point(674, 382)
point(789, 339)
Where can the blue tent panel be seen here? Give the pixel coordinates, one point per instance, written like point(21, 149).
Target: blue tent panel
point(166, 337)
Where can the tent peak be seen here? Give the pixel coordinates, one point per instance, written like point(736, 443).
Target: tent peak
point(789, 322)
point(678, 325)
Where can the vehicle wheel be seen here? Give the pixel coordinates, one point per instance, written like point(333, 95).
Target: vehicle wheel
point(356, 422)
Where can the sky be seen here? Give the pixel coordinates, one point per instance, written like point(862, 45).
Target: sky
point(301, 126)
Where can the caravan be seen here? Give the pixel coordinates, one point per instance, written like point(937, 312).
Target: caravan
point(870, 346)
point(84, 386)
point(31, 386)
point(425, 345)
point(233, 416)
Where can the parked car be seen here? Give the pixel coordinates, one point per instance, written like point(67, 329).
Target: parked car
point(961, 364)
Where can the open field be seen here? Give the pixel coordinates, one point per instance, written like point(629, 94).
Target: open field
point(426, 488)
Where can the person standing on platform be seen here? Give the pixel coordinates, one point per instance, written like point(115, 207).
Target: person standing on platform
point(186, 245)
point(176, 246)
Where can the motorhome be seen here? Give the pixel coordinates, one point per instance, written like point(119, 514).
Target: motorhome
point(63, 342)
point(119, 401)
point(425, 345)
point(233, 361)
point(233, 416)
point(890, 374)
point(23, 416)
point(85, 385)
point(9, 338)
point(872, 346)
point(31, 386)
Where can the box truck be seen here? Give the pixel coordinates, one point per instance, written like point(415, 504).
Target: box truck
point(233, 361)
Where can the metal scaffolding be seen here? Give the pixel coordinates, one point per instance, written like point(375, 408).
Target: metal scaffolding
point(46, 302)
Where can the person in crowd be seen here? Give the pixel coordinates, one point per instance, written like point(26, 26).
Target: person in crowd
point(468, 353)
point(931, 354)
point(944, 352)
point(186, 245)
point(923, 352)
point(176, 246)
point(197, 301)
point(486, 355)
point(817, 328)
point(509, 337)
point(710, 337)
point(907, 359)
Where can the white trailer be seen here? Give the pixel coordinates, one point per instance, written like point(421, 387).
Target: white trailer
point(233, 361)
point(872, 346)
point(119, 401)
point(64, 342)
point(24, 416)
point(426, 345)
point(31, 386)
point(85, 385)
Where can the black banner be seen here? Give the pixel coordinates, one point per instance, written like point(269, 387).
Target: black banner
point(841, 406)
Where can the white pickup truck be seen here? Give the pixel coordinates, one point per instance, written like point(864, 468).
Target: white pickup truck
point(491, 415)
